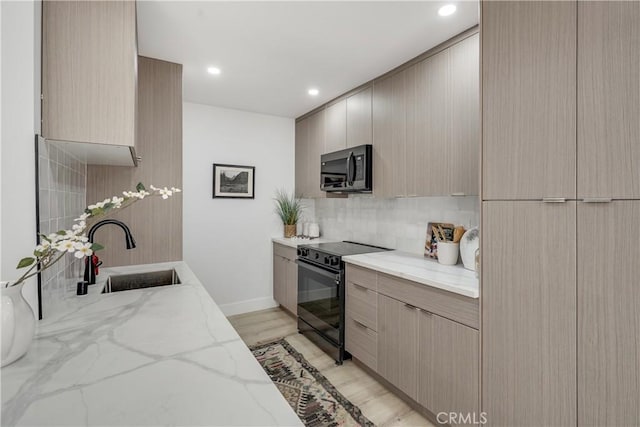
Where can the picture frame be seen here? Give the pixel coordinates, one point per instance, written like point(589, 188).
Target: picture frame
point(431, 243)
point(233, 181)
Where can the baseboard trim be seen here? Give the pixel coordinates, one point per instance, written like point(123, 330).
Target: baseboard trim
point(247, 306)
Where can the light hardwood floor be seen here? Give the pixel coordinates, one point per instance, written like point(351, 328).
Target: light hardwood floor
point(377, 403)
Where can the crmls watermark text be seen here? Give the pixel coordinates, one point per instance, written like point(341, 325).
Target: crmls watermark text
point(453, 418)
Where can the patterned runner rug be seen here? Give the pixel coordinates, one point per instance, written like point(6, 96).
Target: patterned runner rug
point(310, 394)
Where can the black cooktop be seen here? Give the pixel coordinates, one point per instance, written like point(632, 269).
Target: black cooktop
point(345, 248)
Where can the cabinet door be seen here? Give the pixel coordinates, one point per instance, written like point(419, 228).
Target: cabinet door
point(397, 343)
point(315, 148)
point(359, 119)
point(398, 135)
point(291, 298)
point(529, 313)
point(411, 164)
point(336, 127)
point(302, 158)
point(608, 307)
point(609, 99)
point(448, 366)
point(382, 138)
point(89, 57)
point(529, 99)
point(433, 116)
point(464, 117)
point(279, 280)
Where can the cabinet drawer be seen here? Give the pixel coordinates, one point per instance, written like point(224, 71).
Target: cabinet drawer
point(452, 306)
point(285, 251)
point(362, 305)
point(362, 276)
point(362, 343)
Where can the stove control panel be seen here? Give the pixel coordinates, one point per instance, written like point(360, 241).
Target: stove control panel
point(319, 257)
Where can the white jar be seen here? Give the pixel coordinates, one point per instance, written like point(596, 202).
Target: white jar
point(448, 253)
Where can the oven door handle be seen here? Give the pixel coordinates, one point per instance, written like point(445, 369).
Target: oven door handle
point(322, 271)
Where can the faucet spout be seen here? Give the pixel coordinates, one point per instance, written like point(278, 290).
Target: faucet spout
point(90, 267)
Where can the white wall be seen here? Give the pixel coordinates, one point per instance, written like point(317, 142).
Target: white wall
point(18, 77)
point(227, 242)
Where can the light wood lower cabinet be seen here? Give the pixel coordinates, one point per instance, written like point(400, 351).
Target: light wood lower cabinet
point(398, 344)
point(529, 312)
point(285, 277)
point(448, 366)
point(432, 359)
point(608, 319)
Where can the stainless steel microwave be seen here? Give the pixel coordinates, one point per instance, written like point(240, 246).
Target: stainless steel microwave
point(347, 170)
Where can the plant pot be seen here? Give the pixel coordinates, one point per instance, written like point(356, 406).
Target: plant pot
point(18, 324)
point(289, 230)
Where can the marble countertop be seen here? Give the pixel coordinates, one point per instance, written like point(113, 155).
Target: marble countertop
point(155, 356)
point(294, 242)
point(452, 278)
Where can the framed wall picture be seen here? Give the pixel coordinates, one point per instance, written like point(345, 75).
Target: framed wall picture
point(233, 181)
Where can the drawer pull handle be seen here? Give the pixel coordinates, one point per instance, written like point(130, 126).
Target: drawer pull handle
point(411, 307)
point(362, 288)
point(362, 325)
point(596, 200)
point(554, 200)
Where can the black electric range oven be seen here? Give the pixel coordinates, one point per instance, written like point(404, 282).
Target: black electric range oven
point(321, 293)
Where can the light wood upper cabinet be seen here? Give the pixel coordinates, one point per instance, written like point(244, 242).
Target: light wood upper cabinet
point(426, 126)
point(397, 344)
point(609, 99)
point(464, 117)
point(529, 312)
point(434, 141)
point(382, 138)
point(389, 136)
point(411, 162)
point(89, 60)
point(529, 99)
point(314, 152)
point(310, 144)
point(608, 307)
point(398, 134)
point(302, 157)
point(359, 119)
point(335, 127)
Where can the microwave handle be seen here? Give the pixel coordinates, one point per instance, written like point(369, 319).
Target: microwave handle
point(349, 170)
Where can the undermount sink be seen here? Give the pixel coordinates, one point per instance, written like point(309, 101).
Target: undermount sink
point(127, 282)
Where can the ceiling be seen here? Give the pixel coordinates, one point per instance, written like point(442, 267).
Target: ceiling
point(271, 53)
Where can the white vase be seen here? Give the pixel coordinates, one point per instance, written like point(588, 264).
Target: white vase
point(468, 245)
point(18, 324)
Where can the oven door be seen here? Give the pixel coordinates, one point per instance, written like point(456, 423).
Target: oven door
point(321, 299)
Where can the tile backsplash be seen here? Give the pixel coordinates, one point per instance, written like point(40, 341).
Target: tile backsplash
point(394, 223)
point(63, 186)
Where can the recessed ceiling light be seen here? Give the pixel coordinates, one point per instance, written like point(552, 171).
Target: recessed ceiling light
point(447, 9)
point(213, 70)
point(313, 92)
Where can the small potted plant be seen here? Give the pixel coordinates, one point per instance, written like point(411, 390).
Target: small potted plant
point(289, 208)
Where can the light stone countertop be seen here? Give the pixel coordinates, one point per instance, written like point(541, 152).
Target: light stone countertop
point(156, 356)
point(295, 242)
point(417, 268)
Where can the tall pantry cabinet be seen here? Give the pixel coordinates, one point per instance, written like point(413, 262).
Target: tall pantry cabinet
point(560, 210)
